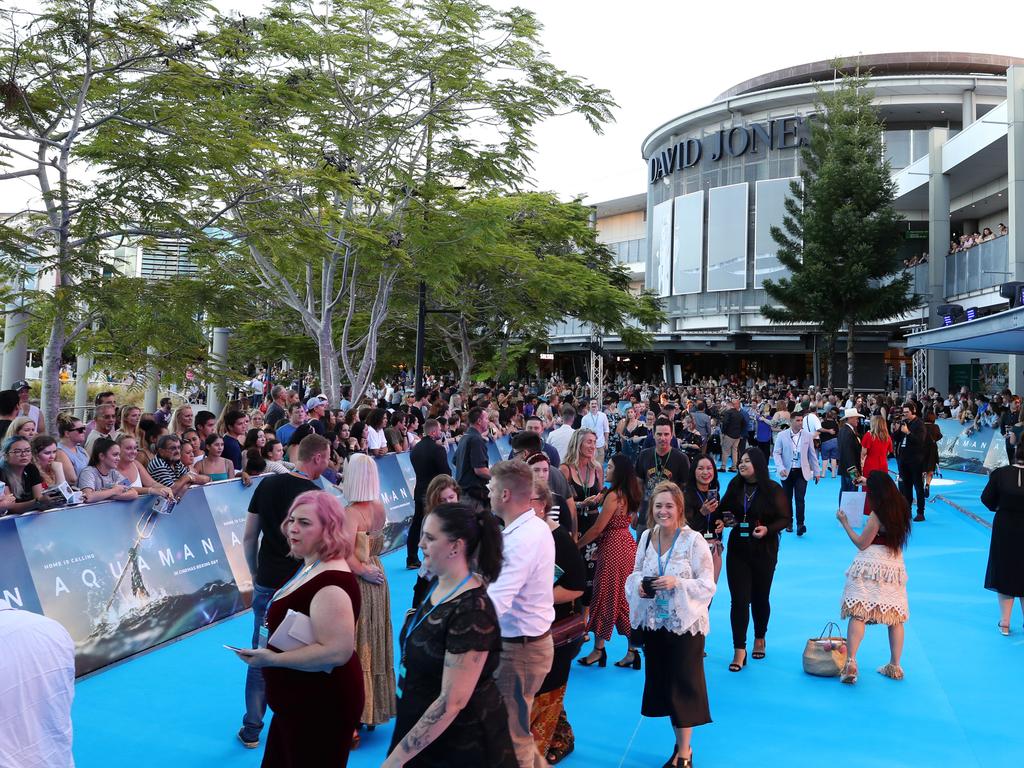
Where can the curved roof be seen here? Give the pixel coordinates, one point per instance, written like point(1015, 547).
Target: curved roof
point(880, 64)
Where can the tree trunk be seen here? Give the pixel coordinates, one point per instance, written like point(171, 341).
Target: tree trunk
point(52, 354)
point(466, 357)
point(328, 364)
point(850, 360)
point(830, 355)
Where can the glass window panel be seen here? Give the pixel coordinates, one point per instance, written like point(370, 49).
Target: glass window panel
point(974, 269)
point(688, 243)
point(920, 144)
point(727, 238)
point(897, 148)
point(661, 249)
point(770, 208)
point(950, 276)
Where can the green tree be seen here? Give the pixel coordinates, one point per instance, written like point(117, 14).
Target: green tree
point(98, 100)
point(520, 263)
point(364, 120)
point(842, 233)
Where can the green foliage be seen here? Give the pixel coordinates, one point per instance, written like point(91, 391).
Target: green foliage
point(841, 233)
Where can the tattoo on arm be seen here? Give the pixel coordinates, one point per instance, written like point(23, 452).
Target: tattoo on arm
point(439, 715)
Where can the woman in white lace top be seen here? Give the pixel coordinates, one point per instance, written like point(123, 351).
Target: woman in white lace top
point(672, 583)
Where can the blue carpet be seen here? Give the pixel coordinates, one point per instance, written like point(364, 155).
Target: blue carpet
point(181, 705)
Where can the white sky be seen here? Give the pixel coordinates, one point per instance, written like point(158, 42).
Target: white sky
point(661, 58)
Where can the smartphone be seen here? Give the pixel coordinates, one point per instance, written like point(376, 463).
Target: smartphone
point(232, 648)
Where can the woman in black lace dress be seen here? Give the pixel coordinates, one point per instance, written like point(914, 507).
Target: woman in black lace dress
point(449, 708)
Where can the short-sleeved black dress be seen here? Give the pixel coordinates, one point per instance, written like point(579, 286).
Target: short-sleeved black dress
point(479, 734)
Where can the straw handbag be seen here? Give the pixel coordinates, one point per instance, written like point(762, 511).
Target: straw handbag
point(825, 655)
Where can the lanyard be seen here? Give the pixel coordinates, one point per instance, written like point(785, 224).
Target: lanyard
point(797, 441)
point(668, 555)
point(704, 501)
point(746, 503)
point(417, 620)
point(298, 575)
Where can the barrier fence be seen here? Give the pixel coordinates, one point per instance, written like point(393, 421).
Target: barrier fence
point(124, 577)
point(969, 449)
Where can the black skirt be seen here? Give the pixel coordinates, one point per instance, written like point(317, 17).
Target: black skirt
point(674, 684)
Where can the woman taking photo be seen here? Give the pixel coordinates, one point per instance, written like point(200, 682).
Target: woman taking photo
point(627, 430)
point(44, 455)
point(449, 710)
point(616, 554)
point(668, 592)
point(548, 722)
point(214, 465)
point(374, 638)
point(315, 691)
point(876, 582)
point(136, 474)
point(702, 513)
point(101, 481)
point(759, 513)
point(1004, 494)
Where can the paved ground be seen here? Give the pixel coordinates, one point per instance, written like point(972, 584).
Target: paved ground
point(181, 705)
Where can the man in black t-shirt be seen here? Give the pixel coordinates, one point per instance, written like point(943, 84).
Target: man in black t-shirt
point(662, 462)
point(270, 561)
point(472, 469)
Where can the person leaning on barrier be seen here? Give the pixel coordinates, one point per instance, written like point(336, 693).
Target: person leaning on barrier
point(21, 479)
point(101, 481)
point(44, 456)
point(167, 467)
point(134, 472)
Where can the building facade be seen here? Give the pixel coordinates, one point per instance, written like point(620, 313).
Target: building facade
point(717, 181)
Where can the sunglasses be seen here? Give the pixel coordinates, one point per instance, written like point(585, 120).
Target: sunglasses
point(77, 429)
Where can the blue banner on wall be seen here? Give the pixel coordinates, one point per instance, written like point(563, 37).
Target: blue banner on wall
point(16, 585)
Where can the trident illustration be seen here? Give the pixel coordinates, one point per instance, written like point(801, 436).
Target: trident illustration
point(145, 526)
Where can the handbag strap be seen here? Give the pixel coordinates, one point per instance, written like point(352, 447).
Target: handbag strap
point(827, 631)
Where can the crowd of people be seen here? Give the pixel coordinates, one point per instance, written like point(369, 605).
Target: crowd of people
point(969, 240)
point(600, 520)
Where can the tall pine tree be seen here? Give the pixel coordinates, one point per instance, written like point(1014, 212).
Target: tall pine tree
point(841, 246)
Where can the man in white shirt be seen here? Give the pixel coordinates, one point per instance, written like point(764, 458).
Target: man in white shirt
point(524, 602)
point(37, 686)
point(796, 462)
point(560, 437)
point(597, 421)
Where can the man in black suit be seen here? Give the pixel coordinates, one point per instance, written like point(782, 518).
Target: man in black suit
point(850, 473)
point(429, 459)
point(911, 458)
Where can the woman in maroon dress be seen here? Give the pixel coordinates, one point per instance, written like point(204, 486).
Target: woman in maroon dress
point(314, 713)
point(616, 551)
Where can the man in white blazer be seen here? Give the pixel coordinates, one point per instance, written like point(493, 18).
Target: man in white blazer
point(796, 462)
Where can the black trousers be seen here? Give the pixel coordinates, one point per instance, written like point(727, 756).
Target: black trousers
point(911, 480)
point(795, 486)
point(412, 541)
point(750, 575)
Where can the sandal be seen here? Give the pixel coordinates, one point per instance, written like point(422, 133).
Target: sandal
point(758, 654)
point(555, 756)
point(849, 674)
point(734, 667)
point(1004, 629)
point(893, 671)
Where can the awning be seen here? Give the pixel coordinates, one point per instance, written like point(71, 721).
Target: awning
point(1002, 332)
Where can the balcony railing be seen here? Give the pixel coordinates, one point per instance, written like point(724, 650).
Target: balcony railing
point(985, 265)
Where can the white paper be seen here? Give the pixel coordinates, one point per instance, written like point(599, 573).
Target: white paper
point(852, 503)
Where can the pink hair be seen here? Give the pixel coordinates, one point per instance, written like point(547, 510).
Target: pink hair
point(339, 529)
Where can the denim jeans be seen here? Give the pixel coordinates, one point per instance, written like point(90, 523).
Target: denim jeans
point(255, 691)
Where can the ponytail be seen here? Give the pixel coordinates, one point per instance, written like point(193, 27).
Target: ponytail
point(479, 529)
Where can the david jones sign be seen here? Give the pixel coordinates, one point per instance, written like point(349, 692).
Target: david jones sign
point(784, 133)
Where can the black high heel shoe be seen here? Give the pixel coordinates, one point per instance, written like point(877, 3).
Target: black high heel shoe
point(601, 661)
point(734, 667)
point(634, 662)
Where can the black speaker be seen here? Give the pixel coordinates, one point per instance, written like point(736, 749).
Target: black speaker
point(1011, 291)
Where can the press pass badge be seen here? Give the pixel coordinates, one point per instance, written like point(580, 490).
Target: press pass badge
point(661, 605)
point(264, 638)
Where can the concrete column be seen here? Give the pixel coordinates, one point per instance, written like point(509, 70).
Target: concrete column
point(216, 390)
point(15, 344)
point(970, 109)
point(149, 403)
point(1015, 194)
point(938, 245)
point(83, 368)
